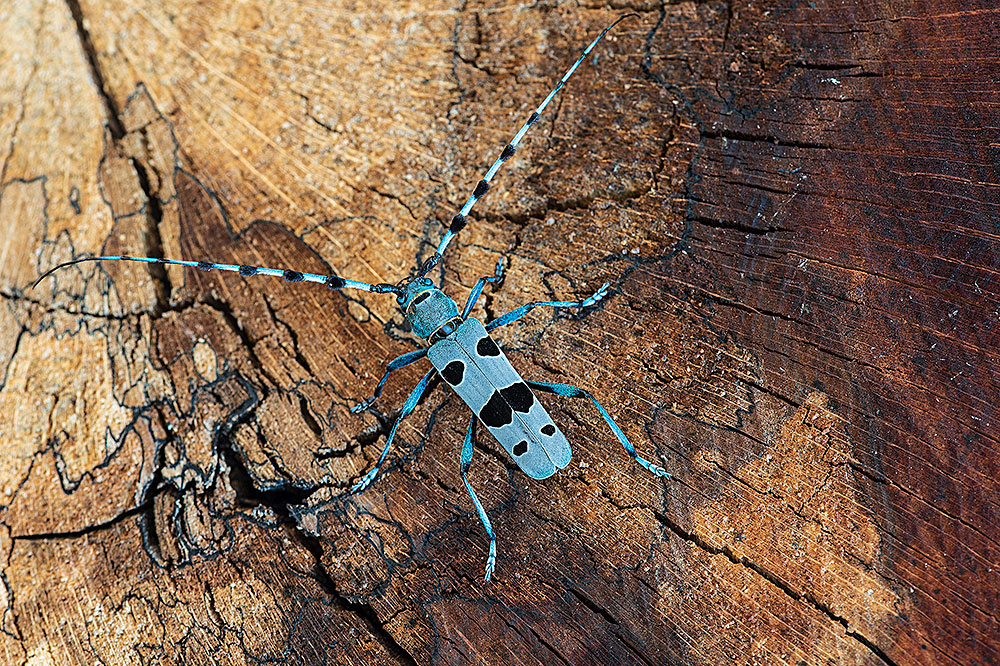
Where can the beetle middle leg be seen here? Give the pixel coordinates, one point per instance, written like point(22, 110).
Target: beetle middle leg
point(395, 364)
point(408, 407)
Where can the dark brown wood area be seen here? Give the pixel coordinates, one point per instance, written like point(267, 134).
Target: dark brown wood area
point(796, 206)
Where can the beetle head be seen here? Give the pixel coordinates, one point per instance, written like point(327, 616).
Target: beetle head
point(426, 307)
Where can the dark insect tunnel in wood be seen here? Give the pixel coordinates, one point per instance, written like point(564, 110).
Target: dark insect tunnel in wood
point(795, 207)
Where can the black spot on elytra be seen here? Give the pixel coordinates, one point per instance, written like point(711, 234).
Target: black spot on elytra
point(292, 276)
point(520, 448)
point(454, 373)
point(496, 412)
point(247, 271)
point(548, 429)
point(518, 396)
point(486, 347)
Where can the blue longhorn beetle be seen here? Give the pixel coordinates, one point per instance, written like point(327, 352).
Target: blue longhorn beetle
point(461, 349)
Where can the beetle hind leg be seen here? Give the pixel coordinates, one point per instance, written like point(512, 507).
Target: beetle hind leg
point(575, 392)
point(467, 449)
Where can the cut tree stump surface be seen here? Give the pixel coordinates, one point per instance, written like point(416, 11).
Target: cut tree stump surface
point(796, 206)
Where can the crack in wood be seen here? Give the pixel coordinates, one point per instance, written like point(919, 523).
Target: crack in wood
point(114, 119)
point(87, 529)
point(777, 582)
point(619, 630)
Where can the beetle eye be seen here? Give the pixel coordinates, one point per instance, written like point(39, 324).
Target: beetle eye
point(426, 281)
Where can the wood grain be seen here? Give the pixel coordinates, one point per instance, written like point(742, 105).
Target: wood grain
point(795, 205)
